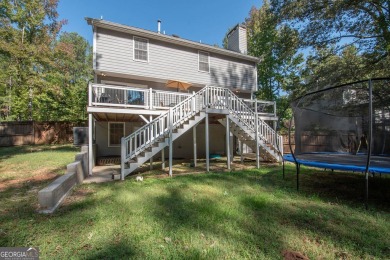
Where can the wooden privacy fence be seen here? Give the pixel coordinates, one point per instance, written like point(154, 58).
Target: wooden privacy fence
point(31, 132)
point(286, 146)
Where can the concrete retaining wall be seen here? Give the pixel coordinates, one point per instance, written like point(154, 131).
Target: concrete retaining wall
point(51, 197)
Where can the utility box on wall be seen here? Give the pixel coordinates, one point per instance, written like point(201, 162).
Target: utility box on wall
point(80, 135)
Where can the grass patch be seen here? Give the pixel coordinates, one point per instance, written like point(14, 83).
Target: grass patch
point(244, 214)
point(25, 162)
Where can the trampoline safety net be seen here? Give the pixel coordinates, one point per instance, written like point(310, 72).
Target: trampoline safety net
point(344, 121)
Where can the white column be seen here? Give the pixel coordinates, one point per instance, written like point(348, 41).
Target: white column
point(195, 148)
point(163, 158)
point(227, 142)
point(123, 156)
point(150, 140)
point(257, 136)
point(150, 98)
point(207, 143)
point(242, 151)
point(170, 141)
point(90, 144)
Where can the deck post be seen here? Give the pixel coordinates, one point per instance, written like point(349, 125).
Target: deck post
point(90, 144)
point(170, 141)
point(193, 103)
point(150, 98)
point(257, 137)
point(207, 142)
point(150, 140)
point(242, 151)
point(195, 148)
point(163, 158)
point(123, 156)
point(227, 142)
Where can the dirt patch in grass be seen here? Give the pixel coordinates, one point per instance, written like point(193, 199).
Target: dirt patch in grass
point(291, 255)
point(78, 194)
point(17, 183)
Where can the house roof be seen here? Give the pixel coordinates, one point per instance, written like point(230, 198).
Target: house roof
point(167, 38)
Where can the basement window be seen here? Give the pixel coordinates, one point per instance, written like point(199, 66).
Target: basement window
point(204, 61)
point(141, 49)
point(115, 132)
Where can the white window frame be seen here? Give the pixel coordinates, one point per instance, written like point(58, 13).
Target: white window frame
point(109, 133)
point(208, 60)
point(147, 49)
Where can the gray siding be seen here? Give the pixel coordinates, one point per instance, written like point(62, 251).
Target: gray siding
point(243, 41)
point(237, 40)
point(102, 138)
point(168, 61)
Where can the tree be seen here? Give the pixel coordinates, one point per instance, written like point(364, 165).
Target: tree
point(341, 23)
point(45, 74)
point(27, 31)
point(326, 67)
point(277, 47)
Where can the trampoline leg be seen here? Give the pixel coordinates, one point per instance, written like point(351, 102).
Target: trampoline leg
point(366, 190)
point(283, 168)
point(298, 168)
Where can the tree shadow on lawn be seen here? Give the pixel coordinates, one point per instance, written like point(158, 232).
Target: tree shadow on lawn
point(12, 183)
point(246, 211)
point(336, 187)
point(9, 152)
point(264, 222)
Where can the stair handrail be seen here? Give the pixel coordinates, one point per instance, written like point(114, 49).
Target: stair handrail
point(209, 96)
point(146, 135)
point(238, 108)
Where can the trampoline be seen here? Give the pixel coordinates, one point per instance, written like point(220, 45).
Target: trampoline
point(342, 162)
point(344, 128)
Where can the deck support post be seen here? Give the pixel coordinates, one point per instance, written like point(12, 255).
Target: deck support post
point(163, 159)
point(227, 142)
point(195, 148)
point(170, 141)
point(90, 144)
point(123, 156)
point(257, 137)
point(150, 140)
point(242, 151)
point(207, 142)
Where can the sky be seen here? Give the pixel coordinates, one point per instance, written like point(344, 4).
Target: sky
point(201, 20)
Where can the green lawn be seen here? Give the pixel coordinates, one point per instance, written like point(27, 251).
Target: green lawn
point(238, 215)
point(24, 162)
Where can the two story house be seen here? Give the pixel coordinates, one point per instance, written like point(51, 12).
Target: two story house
point(150, 89)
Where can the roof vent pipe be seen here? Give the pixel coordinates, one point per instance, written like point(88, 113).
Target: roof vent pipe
point(158, 26)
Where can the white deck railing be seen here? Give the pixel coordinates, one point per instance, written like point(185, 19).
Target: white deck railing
point(264, 108)
point(129, 97)
point(208, 97)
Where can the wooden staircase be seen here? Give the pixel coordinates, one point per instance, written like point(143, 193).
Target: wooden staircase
point(147, 141)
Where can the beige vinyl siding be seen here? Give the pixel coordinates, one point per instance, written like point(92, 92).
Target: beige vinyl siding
point(168, 61)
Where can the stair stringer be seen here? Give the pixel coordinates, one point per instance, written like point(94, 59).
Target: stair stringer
point(247, 136)
point(155, 148)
